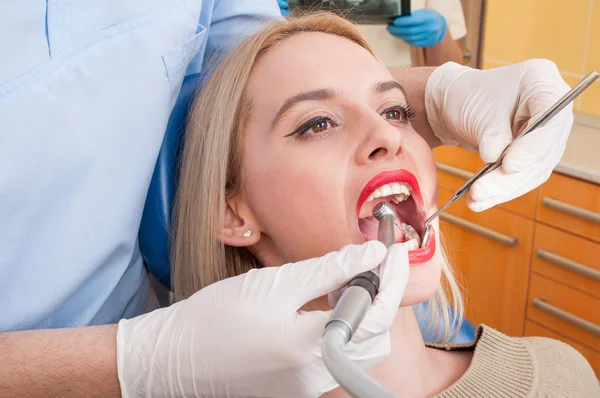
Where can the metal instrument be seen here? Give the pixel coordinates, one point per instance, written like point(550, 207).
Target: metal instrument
point(347, 316)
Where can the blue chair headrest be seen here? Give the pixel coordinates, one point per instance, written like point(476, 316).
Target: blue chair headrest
point(155, 227)
point(465, 334)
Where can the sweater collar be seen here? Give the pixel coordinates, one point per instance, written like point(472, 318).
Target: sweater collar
point(501, 367)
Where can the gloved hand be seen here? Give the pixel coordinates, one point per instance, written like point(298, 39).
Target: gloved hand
point(283, 6)
point(423, 28)
point(483, 110)
point(246, 337)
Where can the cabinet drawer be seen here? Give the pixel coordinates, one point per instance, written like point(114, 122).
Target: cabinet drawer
point(564, 310)
point(567, 259)
point(593, 357)
point(456, 165)
point(571, 205)
point(491, 252)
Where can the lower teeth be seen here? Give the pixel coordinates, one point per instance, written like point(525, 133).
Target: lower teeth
point(412, 244)
point(411, 235)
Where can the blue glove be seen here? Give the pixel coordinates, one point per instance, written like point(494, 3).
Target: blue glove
point(424, 28)
point(283, 6)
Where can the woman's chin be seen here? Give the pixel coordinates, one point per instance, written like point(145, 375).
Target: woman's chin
point(425, 271)
point(423, 282)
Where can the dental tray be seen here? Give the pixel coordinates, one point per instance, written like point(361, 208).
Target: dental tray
point(359, 11)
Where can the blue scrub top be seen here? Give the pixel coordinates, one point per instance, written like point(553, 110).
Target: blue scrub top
point(86, 90)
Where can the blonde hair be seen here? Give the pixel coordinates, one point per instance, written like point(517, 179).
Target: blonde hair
point(211, 170)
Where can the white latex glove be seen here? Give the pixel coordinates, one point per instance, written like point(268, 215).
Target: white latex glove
point(482, 110)
point(246, 337)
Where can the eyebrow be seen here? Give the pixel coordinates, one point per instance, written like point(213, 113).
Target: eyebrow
point(325, 94)
point(315, 95)
point(382, 87)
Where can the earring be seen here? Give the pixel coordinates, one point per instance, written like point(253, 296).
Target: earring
point(247, 234)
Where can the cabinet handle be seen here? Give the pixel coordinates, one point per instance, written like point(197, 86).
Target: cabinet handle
point(509, 241)
point(563, 315)
point(571, 210)
point(455, 171)
point(568, 264)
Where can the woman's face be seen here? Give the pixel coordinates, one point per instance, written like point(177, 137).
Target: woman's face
point(328, 138)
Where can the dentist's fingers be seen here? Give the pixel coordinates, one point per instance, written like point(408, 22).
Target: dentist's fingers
point(308, 328)
point(368, 353)
point(528, 162)
point(494, 141)
point(317, 277)
point(544, 145)
point(395, 271)
point(498, 187)
point(545, 89)
point(334, 297)
point(394, 274)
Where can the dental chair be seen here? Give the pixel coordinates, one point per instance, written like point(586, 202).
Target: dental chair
point(154, 235)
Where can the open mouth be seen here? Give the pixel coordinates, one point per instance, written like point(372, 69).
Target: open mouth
point(400, 189)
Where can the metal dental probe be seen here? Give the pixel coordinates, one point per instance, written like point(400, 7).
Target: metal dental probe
point(349, 313)
point(546, 116)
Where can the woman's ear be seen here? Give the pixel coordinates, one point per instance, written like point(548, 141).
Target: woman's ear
point(240, 227)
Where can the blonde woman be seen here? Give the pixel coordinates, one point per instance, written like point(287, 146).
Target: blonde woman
point(297, 135)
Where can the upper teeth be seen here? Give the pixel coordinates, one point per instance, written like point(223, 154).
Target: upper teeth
point(400, 190)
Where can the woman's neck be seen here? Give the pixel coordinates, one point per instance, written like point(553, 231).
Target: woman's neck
point(409, 369)
point(412, 369)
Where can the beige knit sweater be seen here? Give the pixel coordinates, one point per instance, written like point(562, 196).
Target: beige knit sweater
point(510, 367)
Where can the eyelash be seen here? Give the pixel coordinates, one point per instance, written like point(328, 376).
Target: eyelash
point(407, 112)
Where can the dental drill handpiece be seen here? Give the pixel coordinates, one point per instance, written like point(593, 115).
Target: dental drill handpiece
point(349, 313)
point(354, 303)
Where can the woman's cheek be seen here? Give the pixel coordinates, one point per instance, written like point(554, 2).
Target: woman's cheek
point(433, 199)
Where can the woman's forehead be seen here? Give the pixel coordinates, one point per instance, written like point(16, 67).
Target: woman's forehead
point(312, 61)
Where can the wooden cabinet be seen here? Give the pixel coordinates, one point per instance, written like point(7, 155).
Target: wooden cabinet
point(564, 310)
point(567, 259)
point(530, 266)
point(491, 252)
point(571, 205)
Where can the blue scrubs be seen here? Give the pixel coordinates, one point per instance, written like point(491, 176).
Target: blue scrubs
point(86, 90)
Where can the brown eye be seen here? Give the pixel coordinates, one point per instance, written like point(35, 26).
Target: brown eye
point(394, 114)
point(319, 126)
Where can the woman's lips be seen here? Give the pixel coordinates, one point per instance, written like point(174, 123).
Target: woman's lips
point(415, 256)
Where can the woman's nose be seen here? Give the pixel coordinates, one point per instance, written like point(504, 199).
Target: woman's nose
point(382, 142)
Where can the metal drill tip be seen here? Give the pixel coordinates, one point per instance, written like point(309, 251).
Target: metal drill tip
point(383, 209)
